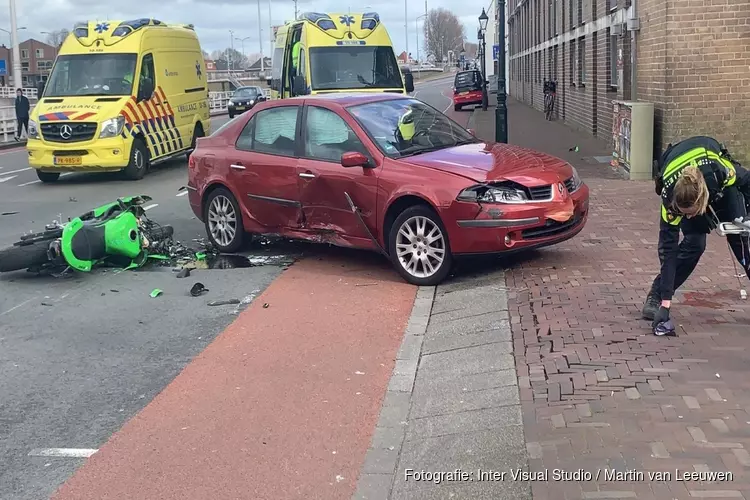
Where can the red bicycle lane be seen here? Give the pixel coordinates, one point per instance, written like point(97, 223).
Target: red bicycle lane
point(282, 404)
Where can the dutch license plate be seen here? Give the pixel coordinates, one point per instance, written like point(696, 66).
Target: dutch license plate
point(240, 108)
point(68, 160)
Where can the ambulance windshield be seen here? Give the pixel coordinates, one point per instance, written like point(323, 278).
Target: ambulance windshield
point(92, 74)
point(354, 67)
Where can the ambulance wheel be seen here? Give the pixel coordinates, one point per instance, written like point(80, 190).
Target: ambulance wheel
point(198, 132)
point(139, 161)
point(47, 176)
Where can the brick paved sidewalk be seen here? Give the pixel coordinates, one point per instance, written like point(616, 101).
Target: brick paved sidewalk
point(599, 391)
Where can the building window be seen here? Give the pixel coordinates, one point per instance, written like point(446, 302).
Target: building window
point(611, 5)
point(24, 65)
point(613, 71)
point(39, 53)
point(554, 18)
point(43, 65)
point(572, 73)
point(580, 12)
point(24, 53)
point(570, 16)
point(582, 77)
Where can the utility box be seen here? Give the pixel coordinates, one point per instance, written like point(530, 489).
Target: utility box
point(633, 139)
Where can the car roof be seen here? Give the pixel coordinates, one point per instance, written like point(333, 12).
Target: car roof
point(352, 98)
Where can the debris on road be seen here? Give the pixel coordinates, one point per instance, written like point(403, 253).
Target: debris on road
point(9, 213)
point(198, 289)
point(184, 273)
point(156, 292)
point(227, 302)
point(73, 200)
point(46, 304)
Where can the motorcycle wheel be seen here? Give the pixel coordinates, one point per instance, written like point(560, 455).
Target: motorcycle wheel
point(161, 233)
point(16, 258)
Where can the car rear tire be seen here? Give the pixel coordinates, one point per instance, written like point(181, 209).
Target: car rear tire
point(139, 161)
point(457, 107)
point(223, 221)
point(418, 246)
point(47, 177)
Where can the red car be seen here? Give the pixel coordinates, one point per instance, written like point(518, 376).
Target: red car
point(382, 172)
point(467, 89)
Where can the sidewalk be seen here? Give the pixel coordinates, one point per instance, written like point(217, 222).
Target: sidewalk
point(599, 392)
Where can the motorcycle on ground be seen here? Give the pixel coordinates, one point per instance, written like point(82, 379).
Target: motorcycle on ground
point(118, 233)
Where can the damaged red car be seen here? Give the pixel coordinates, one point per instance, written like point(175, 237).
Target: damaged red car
point(381, 172)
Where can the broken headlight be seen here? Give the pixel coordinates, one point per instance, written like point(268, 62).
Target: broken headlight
point(576, 181)
point(493, 194)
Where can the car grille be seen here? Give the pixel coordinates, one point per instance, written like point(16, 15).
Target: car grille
point(551, 228)
point(543, 193)
point(70, 152)
point(540, 192)
point(78, 131)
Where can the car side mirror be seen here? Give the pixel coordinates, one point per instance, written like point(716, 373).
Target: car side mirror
point(354, 159)
point(409, 82)
point(146, 89)
point(299, 86)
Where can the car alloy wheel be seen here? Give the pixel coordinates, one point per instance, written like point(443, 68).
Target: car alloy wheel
point(222, 220)
point(420, 247)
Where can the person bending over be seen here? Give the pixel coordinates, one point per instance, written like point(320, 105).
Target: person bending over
point(698, 179)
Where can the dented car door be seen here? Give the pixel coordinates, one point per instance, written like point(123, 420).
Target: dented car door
point(264, 164)
point(323, 181)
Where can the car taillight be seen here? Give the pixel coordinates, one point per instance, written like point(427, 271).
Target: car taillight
point(191, 161)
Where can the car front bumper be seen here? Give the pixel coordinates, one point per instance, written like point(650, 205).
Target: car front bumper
point(510, 228)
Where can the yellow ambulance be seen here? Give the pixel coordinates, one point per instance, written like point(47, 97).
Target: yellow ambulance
point(122, 96)
point(336, 53)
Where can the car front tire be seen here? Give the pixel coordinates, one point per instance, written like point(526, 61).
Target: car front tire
point(223, 221)
point(418, 246)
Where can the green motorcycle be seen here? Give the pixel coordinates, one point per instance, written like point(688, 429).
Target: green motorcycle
point(117, 233)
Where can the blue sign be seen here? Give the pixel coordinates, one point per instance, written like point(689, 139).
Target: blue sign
point(3, 69)
point(495, 52)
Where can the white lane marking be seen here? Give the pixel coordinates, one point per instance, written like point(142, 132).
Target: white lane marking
point(16, 307)
point(6, 179)
point(63, 452)
point(182, 193)
point(37, 181)
point(16, 171)
point(149, 207)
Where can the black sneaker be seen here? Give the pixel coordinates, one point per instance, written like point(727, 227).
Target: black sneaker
point(651, 307)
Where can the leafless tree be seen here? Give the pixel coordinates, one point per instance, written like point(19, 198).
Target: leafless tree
point(205, 54)
point(443, 31)
point(471, 50)
point(56, 38)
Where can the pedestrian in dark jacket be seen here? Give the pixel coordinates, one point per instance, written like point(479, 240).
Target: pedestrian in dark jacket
point(699, 183)
point(22, 113)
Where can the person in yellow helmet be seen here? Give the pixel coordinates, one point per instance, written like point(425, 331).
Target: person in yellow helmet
point(405, 130)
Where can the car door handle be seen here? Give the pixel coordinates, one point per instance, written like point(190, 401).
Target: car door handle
point(237, 166)
point(307, 175)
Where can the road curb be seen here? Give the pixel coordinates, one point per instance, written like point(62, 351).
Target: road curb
point(379, 469)
point(11, 145)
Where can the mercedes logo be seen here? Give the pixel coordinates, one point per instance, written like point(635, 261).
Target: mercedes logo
point(66, 131)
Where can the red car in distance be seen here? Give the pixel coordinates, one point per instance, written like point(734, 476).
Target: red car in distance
point(381, 172)
point(467, 89)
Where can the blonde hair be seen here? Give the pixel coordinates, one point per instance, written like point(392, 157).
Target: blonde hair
point(691, 193)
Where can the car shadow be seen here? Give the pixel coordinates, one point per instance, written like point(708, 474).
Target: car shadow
point(156, 172)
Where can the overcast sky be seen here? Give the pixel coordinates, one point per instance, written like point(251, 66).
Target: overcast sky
point(214, 18)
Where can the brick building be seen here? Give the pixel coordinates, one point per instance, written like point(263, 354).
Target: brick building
point(693, 63)
point(36, 62)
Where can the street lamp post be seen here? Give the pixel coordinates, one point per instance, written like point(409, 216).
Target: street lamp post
point(242, 44)
point(229, 52)
point(260, 39)
point(482, 29)
point(17, 78)
point(416, 28)
point(501, 110)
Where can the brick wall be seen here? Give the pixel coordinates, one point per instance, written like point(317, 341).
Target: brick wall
point(694, 65)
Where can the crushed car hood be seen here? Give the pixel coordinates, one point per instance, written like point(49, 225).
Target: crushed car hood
point(487, 162)
point(83, 108)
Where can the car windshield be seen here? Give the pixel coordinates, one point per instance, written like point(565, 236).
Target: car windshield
point(422, 129)
point(248, 93)
point(92, 74)
point(354, 67)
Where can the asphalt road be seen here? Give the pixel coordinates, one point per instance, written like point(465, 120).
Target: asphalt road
point(81, 355)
